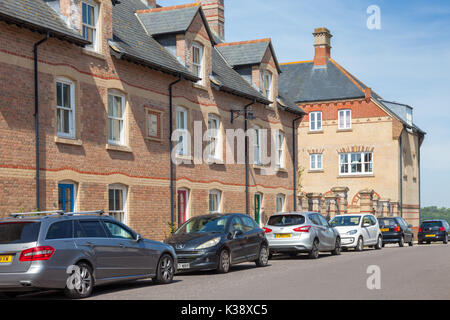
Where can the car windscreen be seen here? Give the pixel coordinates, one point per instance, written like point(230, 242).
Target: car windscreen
point(347, 221)
point(432, 224)
point(19, 232)
point(387, 223)
point(286, 220)
point(215, 224)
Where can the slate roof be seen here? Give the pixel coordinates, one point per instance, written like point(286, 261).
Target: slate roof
point(133, 43)
point(400, 110)
point(38, 16)
point(246, 52)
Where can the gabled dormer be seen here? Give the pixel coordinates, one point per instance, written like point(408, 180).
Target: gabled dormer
point(91, 18)
point(184, 31)
point(256, 62)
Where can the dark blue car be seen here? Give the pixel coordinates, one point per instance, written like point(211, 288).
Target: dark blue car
point(434, 231)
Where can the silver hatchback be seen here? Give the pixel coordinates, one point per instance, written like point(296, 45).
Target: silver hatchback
point(76, 251)
point(307, 232)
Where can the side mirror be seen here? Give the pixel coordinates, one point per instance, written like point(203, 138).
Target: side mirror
point(365, 225)
point(138, 237)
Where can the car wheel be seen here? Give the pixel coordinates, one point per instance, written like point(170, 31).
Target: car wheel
point(359, 245)
point(411, 244)
point(401, 243)
point(80, 285)
point(337, 248)
point(165, 270)
point(420, 242)
point(379, 244)
point(224, 261)
point(446, 239)
point(263, 258)
point(314, 253)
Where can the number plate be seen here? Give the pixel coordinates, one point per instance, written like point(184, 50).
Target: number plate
point(385, 230)
point(430, 236)
point(5, 259)
point(283, 236)
point(183, 266)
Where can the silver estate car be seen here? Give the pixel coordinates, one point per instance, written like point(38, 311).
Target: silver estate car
point(307, 232)
point(76, 251)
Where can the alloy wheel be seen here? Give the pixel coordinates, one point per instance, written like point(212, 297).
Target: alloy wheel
point(167, 268)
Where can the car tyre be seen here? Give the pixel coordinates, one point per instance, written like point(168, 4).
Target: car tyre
point(401, 243)
point(224, 261)
point(337, 248)
point(86, 283)
point(263, 257)
point(379, 244)
point(359, 245)
point(411, 244)
point(165, 270)
point(314, 253)
point(446, 239)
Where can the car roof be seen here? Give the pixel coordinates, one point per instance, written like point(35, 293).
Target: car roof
point(288, 213)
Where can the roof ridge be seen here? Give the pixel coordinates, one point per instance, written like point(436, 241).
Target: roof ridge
point(348, 75)
point(243, 42)
point(295, 62)
point(180, 6)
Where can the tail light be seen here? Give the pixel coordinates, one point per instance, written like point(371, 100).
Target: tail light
point(303, 229)
point(442, 229)
point(397, 229)
point(37, 253)
point(267, 230)
point(420, 230)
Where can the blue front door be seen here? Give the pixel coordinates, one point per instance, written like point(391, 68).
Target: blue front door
point(66, 197)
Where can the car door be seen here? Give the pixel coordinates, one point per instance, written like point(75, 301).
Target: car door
point(374, 229)
point(133, 258)
point(319, 230)
point(91, 237)
point(254, 237)
point(327, 233)
point(409, 235)
point(238, 243)
point(366, 225)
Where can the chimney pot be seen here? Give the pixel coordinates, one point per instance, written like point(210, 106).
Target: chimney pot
point(322, 45)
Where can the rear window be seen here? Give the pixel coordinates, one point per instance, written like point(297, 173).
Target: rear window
point(19, 232)
point(286, 220)
point(387, 223)
point(432, 224)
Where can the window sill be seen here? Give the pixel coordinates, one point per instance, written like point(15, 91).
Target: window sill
point(211, 161)
point(316, 171)
point(93, 53)
point(160, 140)
point(182, 157)
point(112, 147)
point(69, 141)
point(315, 132)
point(344, 130)
point(200, 86)
point(281, 170)
point(349, 176)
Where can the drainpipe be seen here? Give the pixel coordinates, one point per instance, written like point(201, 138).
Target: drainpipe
point(294, 160)
point(401, 173)
point(247, 208)
point(420, 180)
point(36, 113)
point(172, 216)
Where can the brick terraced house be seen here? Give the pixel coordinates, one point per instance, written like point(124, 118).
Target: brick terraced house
point(91, 91)
point(357, 152)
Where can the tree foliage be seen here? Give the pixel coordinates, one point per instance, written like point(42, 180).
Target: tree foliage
point(429, 213)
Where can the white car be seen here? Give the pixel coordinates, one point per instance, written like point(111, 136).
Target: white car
point(358, 231)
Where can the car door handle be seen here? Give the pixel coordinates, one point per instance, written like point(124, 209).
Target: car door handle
point(89, 244)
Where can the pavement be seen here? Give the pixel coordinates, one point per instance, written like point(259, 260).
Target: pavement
point(409, 273)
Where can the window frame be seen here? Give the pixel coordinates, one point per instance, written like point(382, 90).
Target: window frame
point(199, 65)
point(217, 193)
point(349, 163)
point(184, 141)
point(95, 37)
point(314, 158)
point(257, 146)
point(124, 210)
point(268, 89)
point(316, 121)
point(218, 143)
point(71, 110)
point(281, 197)
point(346, 116)
point(280, 149)
point(122, 133)
point(151, 112)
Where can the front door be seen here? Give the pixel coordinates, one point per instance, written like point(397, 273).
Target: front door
point(258, 200)
point(182, 206)
point(66, 195)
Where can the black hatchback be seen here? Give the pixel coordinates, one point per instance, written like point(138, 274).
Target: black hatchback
point(434, 231)
point(217, 241)
point(396, 230)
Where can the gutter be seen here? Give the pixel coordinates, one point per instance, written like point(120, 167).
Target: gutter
point(294, 160)
point(36, 114)
point(172, 214)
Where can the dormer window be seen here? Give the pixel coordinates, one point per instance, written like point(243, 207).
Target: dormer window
point(267, 78)
point(90, 22)
point(197, 60)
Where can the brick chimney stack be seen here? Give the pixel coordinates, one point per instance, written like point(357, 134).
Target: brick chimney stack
point(322, 45)
point(215, 14)
point(150, 3)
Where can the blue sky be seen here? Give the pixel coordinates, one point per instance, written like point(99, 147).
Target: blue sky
point(407, 60)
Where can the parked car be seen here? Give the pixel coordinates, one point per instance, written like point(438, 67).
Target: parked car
point(396, 230)
point(358, 231)
point(434, 231)
point(218, 241)
point(295, 233)
point(76, 252)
